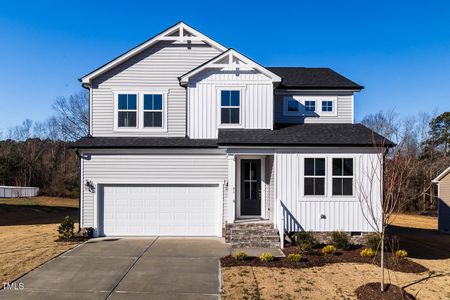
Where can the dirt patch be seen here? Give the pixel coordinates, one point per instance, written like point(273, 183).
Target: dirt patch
point(391, 292)
point(318, 259)
point(334, 281)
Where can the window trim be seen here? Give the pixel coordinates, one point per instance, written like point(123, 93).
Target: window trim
point(219, 90)
point(301, 99)
point(140, 110)
point(325, 179)
point(343, 176)
point(311, 101)
point(136, 110)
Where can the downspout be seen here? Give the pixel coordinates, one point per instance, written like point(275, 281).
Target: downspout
point(81, 186)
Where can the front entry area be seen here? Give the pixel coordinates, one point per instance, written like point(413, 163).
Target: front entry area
point(250, 188)
point(162, 209)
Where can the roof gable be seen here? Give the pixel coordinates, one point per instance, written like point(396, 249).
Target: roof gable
point(442, 175)
point(229, 60)
point(179, 32)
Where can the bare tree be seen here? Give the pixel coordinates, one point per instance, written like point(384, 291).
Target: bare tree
point(380, 190)
point(72, 115)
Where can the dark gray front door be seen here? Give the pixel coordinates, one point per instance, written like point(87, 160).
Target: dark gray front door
point(250, 187)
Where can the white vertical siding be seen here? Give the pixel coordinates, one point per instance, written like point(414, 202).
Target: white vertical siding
point(156, 68)
point(204, 102)
point(344, 111)
point(341, 213)
point(149, 169)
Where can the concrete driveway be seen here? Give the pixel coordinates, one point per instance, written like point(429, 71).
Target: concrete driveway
point(128, 268)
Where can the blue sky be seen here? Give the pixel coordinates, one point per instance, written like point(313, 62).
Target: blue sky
point(399, 50)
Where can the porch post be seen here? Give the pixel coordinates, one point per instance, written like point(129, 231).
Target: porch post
point(231, 188)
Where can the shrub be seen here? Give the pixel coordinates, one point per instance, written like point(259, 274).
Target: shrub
point(266, 257)
point(401, 254)
point(329, 249)
point(368, 252)
point(240, 255)
point(341, 240)
point(373, 241)
point(306, 241)
point(294, 257)
point(65, 230)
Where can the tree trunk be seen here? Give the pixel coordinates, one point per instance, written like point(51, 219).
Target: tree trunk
point(382, 262)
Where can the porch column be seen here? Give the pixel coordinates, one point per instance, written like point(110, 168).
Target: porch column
point(231, 188)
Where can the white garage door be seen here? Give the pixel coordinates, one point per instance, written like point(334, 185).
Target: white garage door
point(172, 210)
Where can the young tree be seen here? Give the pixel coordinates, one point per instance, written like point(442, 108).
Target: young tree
point(380, 190)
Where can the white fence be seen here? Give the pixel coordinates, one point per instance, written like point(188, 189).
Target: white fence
point(18, 191)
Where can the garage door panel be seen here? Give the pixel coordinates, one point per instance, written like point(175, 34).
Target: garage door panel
point(188, 210)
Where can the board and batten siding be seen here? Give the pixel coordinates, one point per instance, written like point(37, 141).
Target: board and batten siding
point(155, 68)
point(140, 168)
point(344, 109)
point(204, 101)
point(341, 213)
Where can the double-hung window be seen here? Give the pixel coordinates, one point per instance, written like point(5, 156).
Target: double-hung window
point(314, 182)
point(230, 106)
point(127, 110)
point(342, 176)
point(327, 106)
point(153, 110)
point(310, 105)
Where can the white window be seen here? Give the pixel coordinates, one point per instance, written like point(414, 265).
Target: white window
point(143, 110)
point(342, 176)
point(310, 105)
point(230, 107)
point(327, 106)
point(126, 110)
point(314, 177)
point(153, 110)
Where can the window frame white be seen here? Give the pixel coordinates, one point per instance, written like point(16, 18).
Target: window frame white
point(325, 185)
point(140, 110)
point(301, 99)
point(342, 176)
point(117, 111)
point(219, 90)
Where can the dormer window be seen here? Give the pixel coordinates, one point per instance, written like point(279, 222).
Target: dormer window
point(230, 106)
point(293, 106)
point(327, 106)
point(127, 110)
point(310, 105)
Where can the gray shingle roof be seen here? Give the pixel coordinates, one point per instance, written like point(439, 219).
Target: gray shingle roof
point(312, 78)
point(143, 142)
point(322, 135)
point(304, 135)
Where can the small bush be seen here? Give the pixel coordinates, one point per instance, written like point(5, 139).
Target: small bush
point(305, 241)
point(373, 241)
point(266, 257)
point(329, 249)
point(341, 240)
point(65, 230)
point(368, 252)
point(240, 255)
point(294, 257)
point(401, 254)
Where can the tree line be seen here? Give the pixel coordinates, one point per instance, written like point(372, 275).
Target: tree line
point(37, 153)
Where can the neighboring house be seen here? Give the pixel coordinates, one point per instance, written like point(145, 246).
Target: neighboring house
point(190, 138)
point(443, 182)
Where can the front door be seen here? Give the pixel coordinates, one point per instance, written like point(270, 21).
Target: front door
point(250, 187)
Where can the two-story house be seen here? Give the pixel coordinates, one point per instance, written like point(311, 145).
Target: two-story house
point(190, 138)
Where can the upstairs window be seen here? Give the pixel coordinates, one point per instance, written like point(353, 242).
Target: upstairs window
point(127, 110)
point(293, 106)
point(153, 110)
point(314, 177)
point(327, 106)
point(310, 105)
point(230, 107)
point(342, 176)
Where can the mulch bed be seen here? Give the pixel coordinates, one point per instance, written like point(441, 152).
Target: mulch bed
point(318, 259)
point(373, 291)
